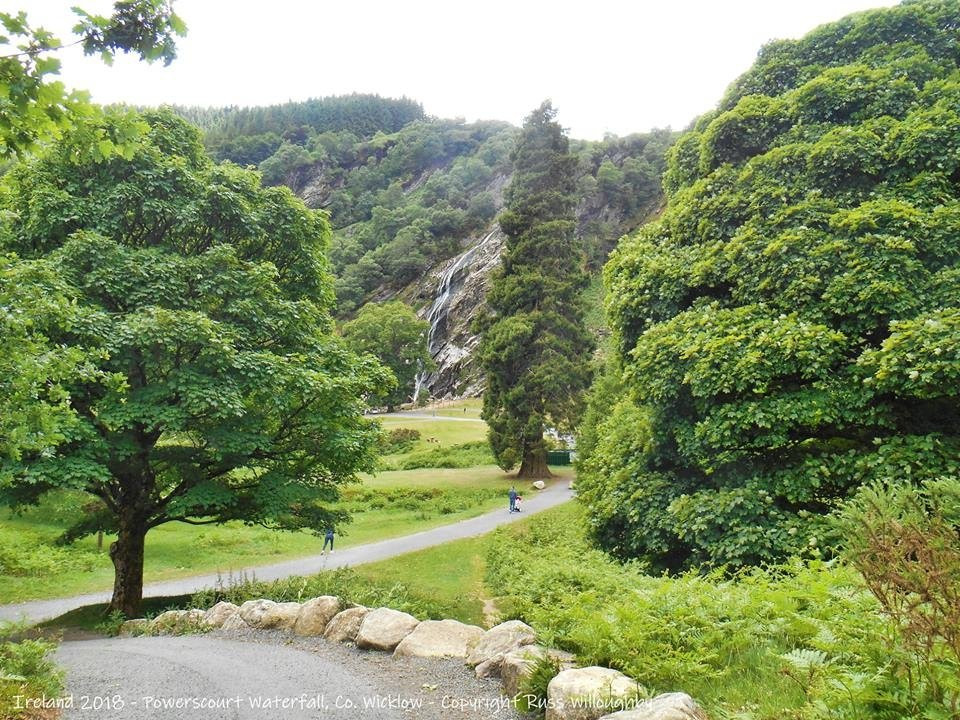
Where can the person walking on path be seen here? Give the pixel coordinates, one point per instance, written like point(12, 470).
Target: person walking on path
point(513, 498)
point(328, 538)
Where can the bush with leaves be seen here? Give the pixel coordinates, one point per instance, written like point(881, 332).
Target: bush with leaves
point(788, 329)
point(906, 542)
point(26, 672)
point(805, 639)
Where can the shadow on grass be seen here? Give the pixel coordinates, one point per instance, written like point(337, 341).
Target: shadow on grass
point(87, 621)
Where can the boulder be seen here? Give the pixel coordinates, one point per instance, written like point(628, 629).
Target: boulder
point(344, 625)
point(384, 628)
point(539, 484)
point(173, 622)
point(281, 616)
point(252, 611)
point(589, 693)
point(499, 640)
point(217, 615)
point(439, 638)
point(517, 665)
point(490, 667)
point(669, 706)
point(234, 622)
point(137, 626)
point(315, 614)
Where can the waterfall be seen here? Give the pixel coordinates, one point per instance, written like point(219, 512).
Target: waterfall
point(438, 310)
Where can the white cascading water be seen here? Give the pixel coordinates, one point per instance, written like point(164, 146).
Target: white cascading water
point(438, 311)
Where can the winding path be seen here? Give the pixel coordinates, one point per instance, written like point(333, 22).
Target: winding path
point(238, 678)
point(556, 493)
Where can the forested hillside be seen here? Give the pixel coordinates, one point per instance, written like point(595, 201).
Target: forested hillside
point(405, 192)
point(411, 199)
point(787, 331)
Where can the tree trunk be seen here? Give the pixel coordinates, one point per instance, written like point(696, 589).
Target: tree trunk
point(534, 464)
point(127, 556)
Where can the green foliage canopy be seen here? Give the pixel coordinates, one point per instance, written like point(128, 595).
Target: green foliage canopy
point(393, 334)
point(535, 348)
point(789, 328)
point(213, 388)
point(33, 107)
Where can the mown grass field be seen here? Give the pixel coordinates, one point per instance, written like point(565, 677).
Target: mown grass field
point(178, 550)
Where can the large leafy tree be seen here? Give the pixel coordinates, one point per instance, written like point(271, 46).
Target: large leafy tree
point(535, 349)
point(791, 326)
point(392, 333)
point(212, 387)
point(34, 107)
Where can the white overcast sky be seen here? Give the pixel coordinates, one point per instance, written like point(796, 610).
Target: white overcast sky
point(608, 65)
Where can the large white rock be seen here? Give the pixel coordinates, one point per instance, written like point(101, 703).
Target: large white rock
point(516, 666)
point(281, 616)
point(315, 614)
point(439, 638)
point(344, 625)
point(589, 693)
point(539, 484)
point(500, 640)
point(669, 706)
point(252, 611)
point(384, 628)
point(217, 615)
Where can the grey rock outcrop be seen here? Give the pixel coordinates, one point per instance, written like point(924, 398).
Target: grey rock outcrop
point(281, 616)
point(252, 611)
point(217, 615)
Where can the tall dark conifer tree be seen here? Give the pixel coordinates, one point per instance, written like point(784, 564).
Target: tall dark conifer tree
point(535, 349)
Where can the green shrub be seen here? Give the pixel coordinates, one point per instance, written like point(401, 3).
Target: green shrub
point(789, 328)
point(463, 455)
point(344, 583)
point(399, 440)
point(26, 670)
point(34, 558)
point(802, 640)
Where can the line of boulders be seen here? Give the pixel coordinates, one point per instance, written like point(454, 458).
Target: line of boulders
point(508, 651)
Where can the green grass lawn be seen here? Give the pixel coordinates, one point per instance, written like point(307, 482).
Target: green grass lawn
point(178, 550)
point(450, 575)
point(445, 432)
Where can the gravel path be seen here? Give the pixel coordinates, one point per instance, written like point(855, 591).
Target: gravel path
point(555, 493)
point(259, 675)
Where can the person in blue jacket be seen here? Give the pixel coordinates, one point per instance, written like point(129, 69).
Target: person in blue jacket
point(513, 498)
point(328, 538)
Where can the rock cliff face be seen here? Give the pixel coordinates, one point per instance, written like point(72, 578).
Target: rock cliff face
point(451, 293)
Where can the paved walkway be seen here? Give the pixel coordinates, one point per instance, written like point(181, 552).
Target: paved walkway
point(556, 493)
point(425, 416)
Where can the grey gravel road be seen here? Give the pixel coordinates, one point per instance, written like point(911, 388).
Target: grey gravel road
point(260, 675)
point(555, 493)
